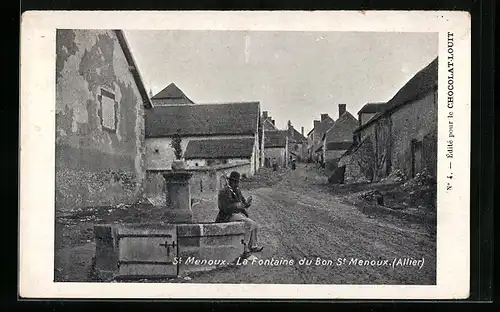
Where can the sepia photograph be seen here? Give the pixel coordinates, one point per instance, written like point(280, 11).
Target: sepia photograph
point(247, 156)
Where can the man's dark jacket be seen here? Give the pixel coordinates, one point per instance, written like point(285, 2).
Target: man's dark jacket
point(227, 200)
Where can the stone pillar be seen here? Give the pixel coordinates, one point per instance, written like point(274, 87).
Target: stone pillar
point(178, 197)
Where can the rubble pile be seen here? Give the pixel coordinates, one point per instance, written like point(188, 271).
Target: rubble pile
point(421, 179)
point(417, 193)
point(396, 176)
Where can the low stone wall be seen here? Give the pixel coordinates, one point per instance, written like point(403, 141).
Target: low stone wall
point(204, 179)
point(197, 247)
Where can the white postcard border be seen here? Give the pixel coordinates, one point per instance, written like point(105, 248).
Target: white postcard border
point(37, 153)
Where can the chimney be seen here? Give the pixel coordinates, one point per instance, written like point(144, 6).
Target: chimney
point(324, 116)
point(273, 122)
point(316, 123)
point(341, 109)
point(302, 131)
point(264, 114)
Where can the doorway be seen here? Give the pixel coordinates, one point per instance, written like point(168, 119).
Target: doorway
point(416, 157)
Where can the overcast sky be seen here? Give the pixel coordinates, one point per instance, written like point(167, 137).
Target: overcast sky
point(295, 75)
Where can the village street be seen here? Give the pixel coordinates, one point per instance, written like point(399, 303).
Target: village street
point(299, 219)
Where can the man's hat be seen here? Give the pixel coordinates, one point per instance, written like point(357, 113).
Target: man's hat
point(235, 176)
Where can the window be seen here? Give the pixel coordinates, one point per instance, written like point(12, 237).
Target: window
point(224, 161)
point(157, 150)
point(108, 110)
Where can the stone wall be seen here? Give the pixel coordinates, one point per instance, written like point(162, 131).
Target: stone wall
point(359, 163)
point(99, 122)
point(392, 138)
point(383, 141)
point(415, 121)
point(203, 179)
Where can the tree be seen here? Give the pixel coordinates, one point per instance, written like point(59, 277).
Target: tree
point(176, 144)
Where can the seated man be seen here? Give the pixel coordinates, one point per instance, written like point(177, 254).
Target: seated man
point(233, 207)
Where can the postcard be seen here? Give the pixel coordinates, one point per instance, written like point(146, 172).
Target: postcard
point(245, 154)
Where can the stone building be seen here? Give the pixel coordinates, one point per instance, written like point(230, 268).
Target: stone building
point(297, 143)
point(268, 123)
point(404, 136)
point(237, 122)
point(315, 138)
point(338, 139)
point(100, 104)
point(171, 94)
point(276, 147)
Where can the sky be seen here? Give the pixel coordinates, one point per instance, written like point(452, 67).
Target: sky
point(295, 76)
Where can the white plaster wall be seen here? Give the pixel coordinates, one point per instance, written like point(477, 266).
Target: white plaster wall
point(276, 152)
point(191, 163)
point(163, 159)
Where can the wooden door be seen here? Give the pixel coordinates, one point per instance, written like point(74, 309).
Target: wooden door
point(416, 157)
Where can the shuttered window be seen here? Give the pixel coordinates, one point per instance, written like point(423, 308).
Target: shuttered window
point(108, 110)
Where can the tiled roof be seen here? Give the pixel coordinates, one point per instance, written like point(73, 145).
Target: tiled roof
point(336, 146)
point(268, 125)
point(219, 148)
point(373, 108)
point(295, 136)
point(320, 131)
point(424, 82)
point(323, 126)
point(342, 130)
point(202, 119)
point(173, 94)
point(275, 138)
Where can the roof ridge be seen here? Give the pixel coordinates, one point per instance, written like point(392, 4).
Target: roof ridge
point(212, 103)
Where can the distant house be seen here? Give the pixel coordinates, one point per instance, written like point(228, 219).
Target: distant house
point(404, 136)
point(230, 125)
point(202, 153)
point(315, 138)
point(275, 148)
point(99, 128)
point(268, 123)
point(338, 139)
point(297, 143)
point(171, 94)
point(369, 110)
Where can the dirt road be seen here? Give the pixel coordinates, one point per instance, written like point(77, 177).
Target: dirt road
point(302, 221)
